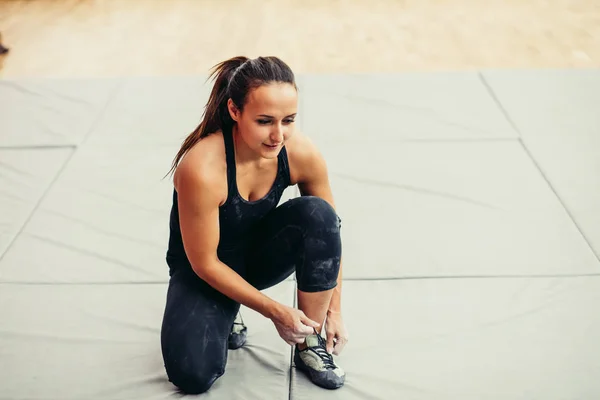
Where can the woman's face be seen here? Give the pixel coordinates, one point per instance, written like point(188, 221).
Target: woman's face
point(267, 120)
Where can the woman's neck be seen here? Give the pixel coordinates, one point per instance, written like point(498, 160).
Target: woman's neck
point(244, 155)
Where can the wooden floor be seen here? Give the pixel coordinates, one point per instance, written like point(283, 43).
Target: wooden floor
point(93, 38)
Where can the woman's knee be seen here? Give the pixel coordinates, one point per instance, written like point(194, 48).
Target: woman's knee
point(314, 213)
point(322, 245)
point(193, 364)
point(194, 379)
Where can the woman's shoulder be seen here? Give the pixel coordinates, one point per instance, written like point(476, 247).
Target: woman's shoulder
point(204, 166)
point(300, 147)
point(304, 157)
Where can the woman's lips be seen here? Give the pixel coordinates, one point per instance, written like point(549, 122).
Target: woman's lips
point(272, 146)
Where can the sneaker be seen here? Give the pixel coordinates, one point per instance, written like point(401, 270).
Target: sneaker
point(238, 334)
point(318, 364)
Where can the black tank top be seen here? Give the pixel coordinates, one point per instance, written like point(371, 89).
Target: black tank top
point(237, 216)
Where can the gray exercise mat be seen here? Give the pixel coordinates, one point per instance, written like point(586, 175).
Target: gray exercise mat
point(558, 115)
point(377, 110)
point(103, 342)
point(105, 219)
point(159, 110)
point(451, 209)
point(51, 112)
point(25, 174)
point(493, 339)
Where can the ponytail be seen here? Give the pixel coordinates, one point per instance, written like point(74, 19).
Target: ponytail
point(216, 115)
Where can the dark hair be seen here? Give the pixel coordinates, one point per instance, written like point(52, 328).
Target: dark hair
point(234, 78)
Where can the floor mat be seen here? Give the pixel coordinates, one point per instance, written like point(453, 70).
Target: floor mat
point(157, 110)
point(557, 114)
point(378, 110)
point(51, 112)
point(104, 220)
point(451, 209)
point(25, 175)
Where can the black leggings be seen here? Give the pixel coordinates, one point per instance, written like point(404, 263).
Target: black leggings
point(301, 235)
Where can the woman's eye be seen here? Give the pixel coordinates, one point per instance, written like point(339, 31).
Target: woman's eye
point(266, 121)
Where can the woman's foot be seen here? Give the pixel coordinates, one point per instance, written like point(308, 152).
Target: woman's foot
point(318, 364)
point(238, 334)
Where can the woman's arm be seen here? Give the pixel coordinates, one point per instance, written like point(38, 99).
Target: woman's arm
point(199, 196)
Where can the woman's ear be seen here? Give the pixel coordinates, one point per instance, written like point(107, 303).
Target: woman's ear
point(233, 110)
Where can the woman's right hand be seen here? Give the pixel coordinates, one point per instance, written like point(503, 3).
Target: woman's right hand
point(292, 324)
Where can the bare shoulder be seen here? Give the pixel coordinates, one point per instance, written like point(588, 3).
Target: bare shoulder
point(203, 170)
point(305, 159)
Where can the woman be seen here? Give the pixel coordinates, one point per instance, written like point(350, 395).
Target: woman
point(229, 239)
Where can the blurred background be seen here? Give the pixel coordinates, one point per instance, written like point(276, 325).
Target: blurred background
point(92, 38)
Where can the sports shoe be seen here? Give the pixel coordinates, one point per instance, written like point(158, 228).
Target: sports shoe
point(318, 364)
point(238, 334)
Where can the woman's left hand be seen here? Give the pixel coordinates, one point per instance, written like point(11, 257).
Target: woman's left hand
point(337, 336)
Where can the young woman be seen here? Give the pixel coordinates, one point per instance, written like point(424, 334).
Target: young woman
point(229, 239)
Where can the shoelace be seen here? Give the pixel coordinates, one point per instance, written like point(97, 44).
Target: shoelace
point(321, 351)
